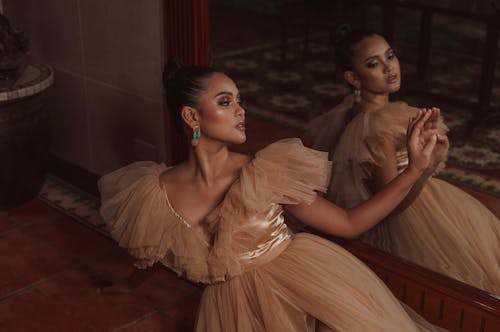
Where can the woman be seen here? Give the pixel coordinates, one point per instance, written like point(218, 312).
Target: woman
point(437, 225)
point(217, 219)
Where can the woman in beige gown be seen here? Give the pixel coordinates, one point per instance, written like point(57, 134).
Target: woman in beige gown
point(217, 219)
point(438, 225)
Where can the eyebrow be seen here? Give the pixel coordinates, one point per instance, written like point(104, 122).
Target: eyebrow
point(374, 56)
point(224, 93)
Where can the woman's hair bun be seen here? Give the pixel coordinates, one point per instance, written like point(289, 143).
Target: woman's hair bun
point(340, 33)
point(174, 64)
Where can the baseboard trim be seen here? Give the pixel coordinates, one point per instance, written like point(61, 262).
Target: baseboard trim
point(77, 176)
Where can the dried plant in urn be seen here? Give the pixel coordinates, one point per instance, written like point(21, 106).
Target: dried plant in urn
point(13, 50)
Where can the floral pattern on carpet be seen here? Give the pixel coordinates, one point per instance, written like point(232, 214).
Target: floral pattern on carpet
point(74, 202)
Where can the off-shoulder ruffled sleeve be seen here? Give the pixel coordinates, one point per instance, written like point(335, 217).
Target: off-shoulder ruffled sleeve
point(284, 172)
point(136, 211)
point(325, 130)
point(388, 126)
point(132, 205)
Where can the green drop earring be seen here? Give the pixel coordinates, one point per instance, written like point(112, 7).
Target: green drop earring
point(196, 135)
point(357, 95)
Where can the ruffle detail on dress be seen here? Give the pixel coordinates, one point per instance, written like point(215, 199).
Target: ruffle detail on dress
point(364, 137)
point(390, 125)
point(136, 211)
point(284, 172)
point(325, 130)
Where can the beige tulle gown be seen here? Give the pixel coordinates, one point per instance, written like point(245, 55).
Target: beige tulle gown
point(444, 229)
point(259, 276)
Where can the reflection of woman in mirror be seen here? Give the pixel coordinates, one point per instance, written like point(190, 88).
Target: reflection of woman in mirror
point(218, 219)
point(437, 225)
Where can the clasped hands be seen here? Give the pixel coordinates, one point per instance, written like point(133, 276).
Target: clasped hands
point(426, 147)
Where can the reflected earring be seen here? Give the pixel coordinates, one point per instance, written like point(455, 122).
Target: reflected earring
point(357, 95)
point(196, 135)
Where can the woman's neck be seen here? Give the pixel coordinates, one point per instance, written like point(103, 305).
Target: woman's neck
point(207, 164)
point(373, 101)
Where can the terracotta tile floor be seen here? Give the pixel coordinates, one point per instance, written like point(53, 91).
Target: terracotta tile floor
point(50, 266)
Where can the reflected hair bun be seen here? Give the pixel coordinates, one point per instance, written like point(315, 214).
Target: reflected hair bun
point(340, 34)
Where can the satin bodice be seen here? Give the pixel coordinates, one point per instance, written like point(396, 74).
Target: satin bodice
point(263, 235)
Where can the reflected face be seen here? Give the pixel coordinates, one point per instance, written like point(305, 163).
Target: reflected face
point(221, 116)
point(376, 65)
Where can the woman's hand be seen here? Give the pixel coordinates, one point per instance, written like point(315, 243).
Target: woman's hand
point(421, 139)
point(441, 149)
point(442, 144)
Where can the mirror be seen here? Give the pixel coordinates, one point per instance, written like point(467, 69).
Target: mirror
point(280, 55)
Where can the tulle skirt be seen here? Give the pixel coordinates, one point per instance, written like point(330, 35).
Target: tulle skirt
point(448, 231)
point(312, 279)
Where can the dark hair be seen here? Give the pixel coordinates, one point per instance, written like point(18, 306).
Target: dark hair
point(344, 39)
point(183, 86)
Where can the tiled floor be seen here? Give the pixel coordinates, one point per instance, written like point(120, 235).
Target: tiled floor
point(49, 265)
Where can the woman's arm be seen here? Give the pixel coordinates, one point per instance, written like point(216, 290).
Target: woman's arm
point(386, 170)
point(329, 218)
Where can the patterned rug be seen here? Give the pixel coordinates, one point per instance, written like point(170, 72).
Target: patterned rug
point(74, 202)
point(305, 89)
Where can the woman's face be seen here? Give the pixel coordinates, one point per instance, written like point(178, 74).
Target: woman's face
point(221, 117)
point(376, 65)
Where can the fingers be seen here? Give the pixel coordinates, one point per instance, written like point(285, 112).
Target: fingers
point(442, 139)
point(415, 127)
point(427, 134)
point(429, 146)
point(429, 123)
point(413, 121)
point(436, 113)
point(432, 122)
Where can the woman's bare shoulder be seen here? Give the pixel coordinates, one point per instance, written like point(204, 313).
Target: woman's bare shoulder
point(240, 157)
point(239, 160)
point(174, 174)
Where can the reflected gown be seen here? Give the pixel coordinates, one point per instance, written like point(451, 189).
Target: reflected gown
point(258, 275)
point(444, 229)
